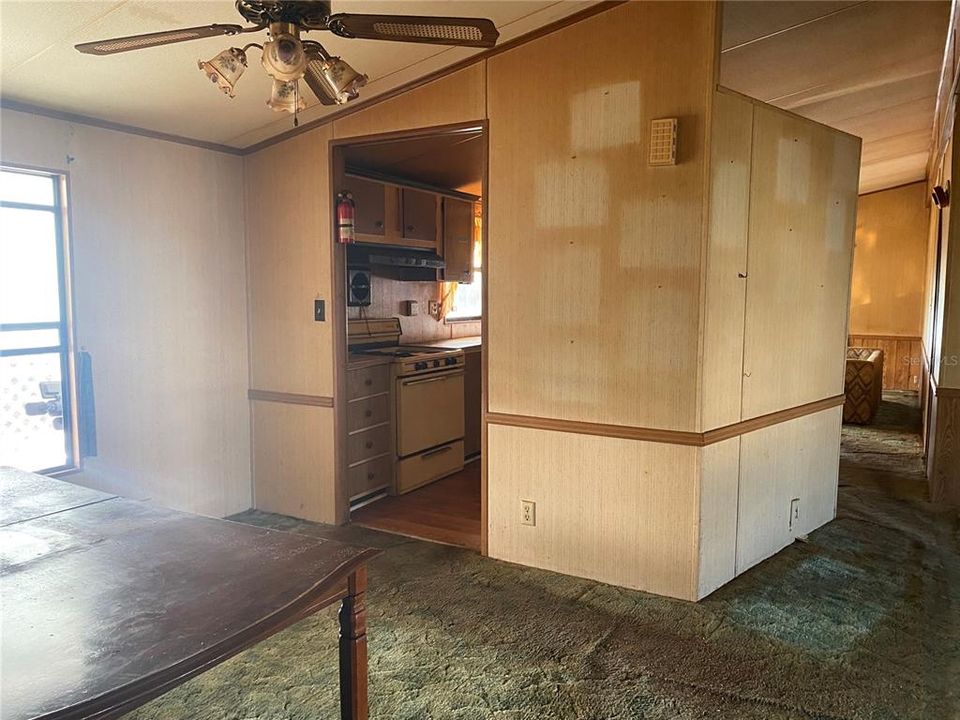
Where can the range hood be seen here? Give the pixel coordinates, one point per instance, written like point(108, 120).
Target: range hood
point(399, 263)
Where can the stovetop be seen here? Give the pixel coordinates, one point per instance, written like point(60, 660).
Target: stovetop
point(401, 351)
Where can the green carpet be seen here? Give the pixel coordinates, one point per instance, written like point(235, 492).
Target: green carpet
point(863, 621)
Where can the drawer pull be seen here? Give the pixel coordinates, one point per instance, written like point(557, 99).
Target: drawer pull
point(438, 451)
point(379, 223)
point(368, 444)
point(371, 476)
point(368, 382)
point(409, 228)
point(368, 413)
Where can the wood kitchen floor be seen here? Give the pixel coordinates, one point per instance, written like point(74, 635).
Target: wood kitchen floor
point(446, 511)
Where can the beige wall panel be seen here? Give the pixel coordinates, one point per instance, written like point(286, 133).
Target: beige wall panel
point(717, 539)
point(456, 98)
point(796, 459)
point(293, 460)
point(619, 511)
point(886, 296)
point(288, 259)
point(802, 216)
point(594, 259)
point(159, 295)
point(726, 261)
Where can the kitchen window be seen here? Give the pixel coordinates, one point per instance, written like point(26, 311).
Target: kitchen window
point(466, 304)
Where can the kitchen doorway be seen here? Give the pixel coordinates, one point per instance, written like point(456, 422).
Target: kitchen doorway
point(410, 310)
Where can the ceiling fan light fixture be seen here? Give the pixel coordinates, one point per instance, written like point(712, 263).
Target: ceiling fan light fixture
point(283, 56)
point(341, 81)
point(285, 97)
point(225, 68)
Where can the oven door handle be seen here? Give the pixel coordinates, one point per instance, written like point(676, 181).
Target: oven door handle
point(436, 378)
point(438, 451)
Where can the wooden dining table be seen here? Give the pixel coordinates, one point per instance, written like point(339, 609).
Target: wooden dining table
point(108, 603)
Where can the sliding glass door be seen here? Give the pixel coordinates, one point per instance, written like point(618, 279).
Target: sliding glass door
point(36, 426)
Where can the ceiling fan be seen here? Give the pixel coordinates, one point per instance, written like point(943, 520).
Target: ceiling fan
point(288, 59)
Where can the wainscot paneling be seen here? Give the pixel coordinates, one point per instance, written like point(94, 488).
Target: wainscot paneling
point(798, 460)
point(717, 539)
point(902, 359)
point(293, 460)
point(618, 511)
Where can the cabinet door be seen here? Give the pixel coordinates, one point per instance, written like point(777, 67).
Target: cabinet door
point(472, 401)
point(458, 240)
point(368, 195)
point(419, 215)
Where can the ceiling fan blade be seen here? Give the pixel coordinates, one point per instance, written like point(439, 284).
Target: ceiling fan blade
point(469, 32)
point(147, 40)
point(311, 76)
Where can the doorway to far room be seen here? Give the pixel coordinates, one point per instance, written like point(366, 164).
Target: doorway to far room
point(413, 286)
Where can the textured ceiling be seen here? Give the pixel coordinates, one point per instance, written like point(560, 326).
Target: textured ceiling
point(869, 68)
point(161, 89)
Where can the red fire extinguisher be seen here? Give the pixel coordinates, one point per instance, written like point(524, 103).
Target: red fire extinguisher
point(346, 212)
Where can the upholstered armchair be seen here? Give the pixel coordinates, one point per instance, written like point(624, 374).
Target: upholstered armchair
point(863, 385)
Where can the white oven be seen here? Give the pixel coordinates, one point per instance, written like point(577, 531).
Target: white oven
point(429, 411)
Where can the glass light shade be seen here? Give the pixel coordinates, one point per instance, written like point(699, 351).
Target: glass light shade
point(283, 57)
point(225, 68)
point(342, 82)
point(285, 97)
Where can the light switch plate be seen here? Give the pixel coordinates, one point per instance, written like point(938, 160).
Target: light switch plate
point(319, 310)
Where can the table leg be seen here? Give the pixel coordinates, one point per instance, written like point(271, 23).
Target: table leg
point(353, 649)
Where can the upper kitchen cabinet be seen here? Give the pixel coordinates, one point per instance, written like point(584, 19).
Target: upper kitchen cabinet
point(458, 240)
point(369, 196)
point(420, 210)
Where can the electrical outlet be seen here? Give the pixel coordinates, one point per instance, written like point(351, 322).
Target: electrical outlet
point(528, 512)
point(434, 309)
point(794, 513)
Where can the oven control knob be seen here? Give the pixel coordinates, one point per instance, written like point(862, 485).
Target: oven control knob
point(436, 363)
point(451, 361)
point(420, 366)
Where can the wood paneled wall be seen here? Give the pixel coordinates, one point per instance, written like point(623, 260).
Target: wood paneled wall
point(725, 267)
point(456, 98)
point(594, 257)
point(902, 359)
point(886, 296)
point(288, 267)
point(798, 460)
point(615, 295)
point(802, 210)
point(776, 280)
point(619, 511)
point(160, 300)
point(288, 251)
